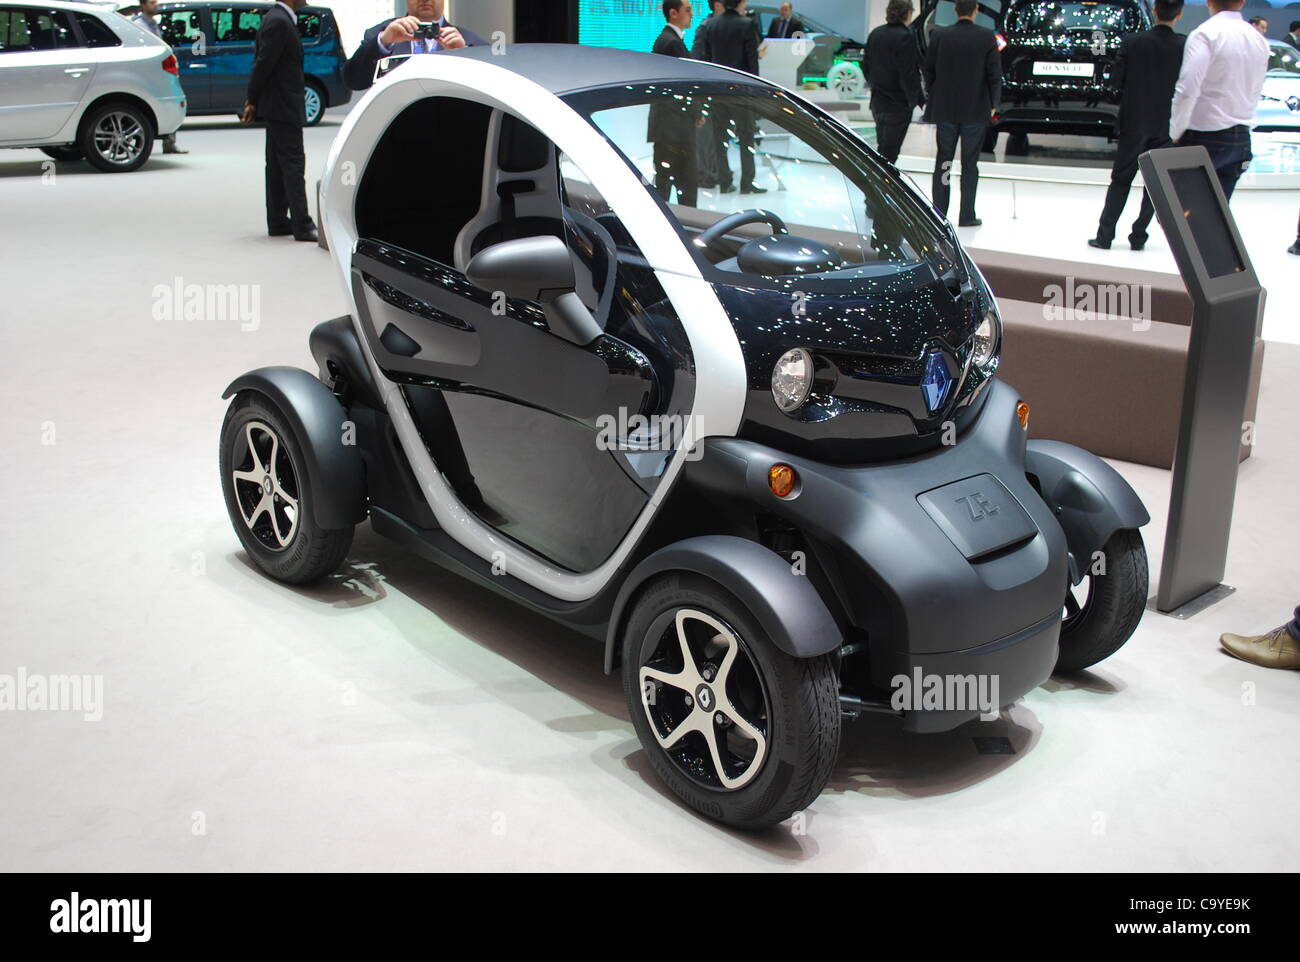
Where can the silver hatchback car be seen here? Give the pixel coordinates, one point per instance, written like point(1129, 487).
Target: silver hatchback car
point(79, 81)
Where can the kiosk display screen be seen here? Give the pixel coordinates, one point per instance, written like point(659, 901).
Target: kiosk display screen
point(1205, 217)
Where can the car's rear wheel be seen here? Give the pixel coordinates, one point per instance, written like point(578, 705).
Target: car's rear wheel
point(1103, 610)
point(738, 729)
point(313, 103)
point(64, 152)
point(269, 497)
point(116, 137)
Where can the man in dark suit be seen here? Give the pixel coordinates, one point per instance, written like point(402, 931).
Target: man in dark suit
point(1293, 34)
point(275, 95)
point(673, 122)
point(1145, 74)
point(785, 26)
point(732, 40)
point(397, 37)
point(963, 79)
point(706, 146)
point(894, 74)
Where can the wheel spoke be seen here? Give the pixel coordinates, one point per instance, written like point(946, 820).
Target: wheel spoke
point(1071, 605)
point(673, 679)
point(263, 504)
point(691, 723)
point(284, 539)
point(258, 468)
point(690, 670)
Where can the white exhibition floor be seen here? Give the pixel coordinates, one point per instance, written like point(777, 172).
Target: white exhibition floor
point(398, 718)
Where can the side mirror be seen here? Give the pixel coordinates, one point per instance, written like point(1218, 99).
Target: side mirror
point(537, 269)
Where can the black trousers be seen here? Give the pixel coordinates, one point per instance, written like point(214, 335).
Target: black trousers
point(891, 131)
point(1229, 150)
point(728, 120)
point(286, 189)
point(1121, 179)
point(972, 142)
point(676, 166)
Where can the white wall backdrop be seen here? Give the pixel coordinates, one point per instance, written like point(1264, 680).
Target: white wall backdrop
point(355, 17)
point(484, 17)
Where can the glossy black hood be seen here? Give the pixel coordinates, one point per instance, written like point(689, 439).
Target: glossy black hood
point(871, 353)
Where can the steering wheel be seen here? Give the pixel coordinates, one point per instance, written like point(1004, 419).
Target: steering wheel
point(710, 236)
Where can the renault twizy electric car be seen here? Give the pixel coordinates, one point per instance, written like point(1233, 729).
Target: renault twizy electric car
point(761, 454)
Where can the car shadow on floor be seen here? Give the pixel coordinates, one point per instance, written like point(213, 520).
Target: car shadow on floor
point(37, 167)
point(876, 757)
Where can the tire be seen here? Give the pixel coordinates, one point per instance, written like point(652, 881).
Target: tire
point(65, 152)
point(846, 80)
point(116, 137)
point(281, 537)
point(1111, 606)
point(313, 103)
point(792, 704)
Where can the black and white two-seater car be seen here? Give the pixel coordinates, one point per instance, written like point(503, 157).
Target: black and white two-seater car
point(760, 454)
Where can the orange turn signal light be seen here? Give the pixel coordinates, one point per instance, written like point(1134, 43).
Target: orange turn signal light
point(1022, 415)
point(782, 479)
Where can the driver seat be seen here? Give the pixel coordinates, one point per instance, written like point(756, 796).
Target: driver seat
point(520, 196)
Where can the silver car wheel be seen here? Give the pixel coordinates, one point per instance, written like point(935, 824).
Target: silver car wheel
point(119, 138)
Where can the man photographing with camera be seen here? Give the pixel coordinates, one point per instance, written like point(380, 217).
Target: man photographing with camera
point(424, 29)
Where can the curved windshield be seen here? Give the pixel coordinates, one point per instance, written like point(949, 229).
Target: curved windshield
point(1046, 16)
point(1283, 61)
point(806, 198)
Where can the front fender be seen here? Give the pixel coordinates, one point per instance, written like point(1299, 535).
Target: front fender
point(785, 603)
point(334, 468)
point(1090, 499)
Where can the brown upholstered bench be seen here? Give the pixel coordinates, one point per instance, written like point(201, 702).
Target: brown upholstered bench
point(1105, 383)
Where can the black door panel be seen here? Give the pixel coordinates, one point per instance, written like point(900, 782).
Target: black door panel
point(544, 481)
point(464, 343)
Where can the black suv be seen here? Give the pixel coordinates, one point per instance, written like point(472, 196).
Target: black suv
point(1057, 57)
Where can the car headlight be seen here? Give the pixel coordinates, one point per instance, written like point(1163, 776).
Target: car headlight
point(792, 379)
point(985, 343)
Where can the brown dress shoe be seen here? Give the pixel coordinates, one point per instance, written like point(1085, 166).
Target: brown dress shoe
point(1277, 649)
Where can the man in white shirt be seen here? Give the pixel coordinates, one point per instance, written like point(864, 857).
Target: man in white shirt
point(1224, 63)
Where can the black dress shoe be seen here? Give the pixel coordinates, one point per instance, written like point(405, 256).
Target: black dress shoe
point(729, 189)
point(279, 231)
point(306, 235)
point(753, 189)
point(1294, 248)
point(1136, 245)
point(1101, 245)
point(973, 222)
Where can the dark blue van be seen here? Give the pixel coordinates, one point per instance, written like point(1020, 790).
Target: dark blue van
point(214, 43)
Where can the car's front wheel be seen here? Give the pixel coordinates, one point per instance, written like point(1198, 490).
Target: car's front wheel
point(269, 497)
point(116, 137)
point(1103, 610)
point(738, 729)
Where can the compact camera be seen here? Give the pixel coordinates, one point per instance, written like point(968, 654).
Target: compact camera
point(427, 31)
